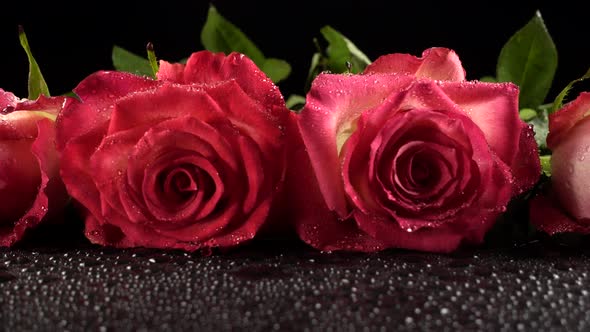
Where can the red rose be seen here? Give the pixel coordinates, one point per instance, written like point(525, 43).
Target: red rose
point(30, 188)
point(408, 155)
point(190, 160)
point(563, 207)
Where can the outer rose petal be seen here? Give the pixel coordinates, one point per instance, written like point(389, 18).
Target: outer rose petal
point(20, 178)
point(307, 210)
point(440, 239)
point(436, 63)
point(566, 118)
point(76, 174)
point(546, 215)
point(172, 72)
point(570, 170)
point(52, 105)
point(208, 68)
point(49, 194)
point(20, 124)
point(333, 105)
point(494, 108)
point(98, 93)
point(7, 99)
point(526, 167)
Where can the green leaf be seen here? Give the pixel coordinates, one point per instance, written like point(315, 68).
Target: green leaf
point(541, 127)
point(527, 114)
point(276, 69)
point(546, 164)
point(124, 60)
point(489, 79)
point(529, 59)
point(341, 50)
point(561, 96)
point(37, 85)
point(220, 35)
point(295, 102)
point(152, 59)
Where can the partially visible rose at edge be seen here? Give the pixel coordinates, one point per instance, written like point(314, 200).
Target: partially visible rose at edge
point(31, 191)
point(193, 159)
point(406, 155)
point(564, 206)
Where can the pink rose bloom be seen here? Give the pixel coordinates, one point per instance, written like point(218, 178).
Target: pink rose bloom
point(191, 160)
point(563, 207)
point(407, 155)
point(30, 188)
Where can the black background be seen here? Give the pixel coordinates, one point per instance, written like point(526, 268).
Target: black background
point(73, 39)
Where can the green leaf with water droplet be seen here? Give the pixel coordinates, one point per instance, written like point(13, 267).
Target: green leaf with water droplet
point(541, 127)
point(529, 60)
point(220, 35)
point(558, 102)
point(37, 85)
point(341, 50)
point(295, 102)
point(124, 60)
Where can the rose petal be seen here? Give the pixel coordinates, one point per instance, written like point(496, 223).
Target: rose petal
point(526, 167)
point(439, 239)
point(165, 102)
point(333, 103)
point(307, 210)
point(98, 93)
point(436, 63)
point(19, 125)
point(43, 150)
point(250, 117)
point(547, 215)
point(494, 108)
point(246, 229)
point(121, 233)
point(570, 170)
point(254, 171)
point(52, 105)
point(422, 95)
point(7, 99)
point(172, 72)
point(566, 118)
point(193, 210)
point(76, 174)
point(20, 178)
point(210, 68)
point(108, 166)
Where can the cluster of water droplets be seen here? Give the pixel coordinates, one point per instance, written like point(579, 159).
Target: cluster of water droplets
point(256, 288)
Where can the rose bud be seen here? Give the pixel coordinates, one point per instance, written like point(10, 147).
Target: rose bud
point(191, 160)
point(407, 155)
point(563, 206)
point(30, 188)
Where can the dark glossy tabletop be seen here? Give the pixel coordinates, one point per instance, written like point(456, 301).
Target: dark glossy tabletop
point(286, 286)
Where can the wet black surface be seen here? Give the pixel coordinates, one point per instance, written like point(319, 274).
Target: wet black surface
point(262, 287)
